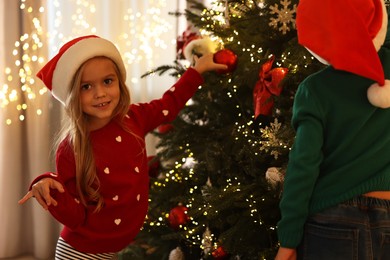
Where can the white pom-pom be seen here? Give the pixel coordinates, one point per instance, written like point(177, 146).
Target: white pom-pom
point(199, 47)
point(176, 254)
point(274, 176)
point(379, 96)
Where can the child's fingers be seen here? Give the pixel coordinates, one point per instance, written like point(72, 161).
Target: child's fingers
point(25, 197)
point(44, 192)
point(30, 195)
point(41, 192)
point(54, 202)
point(42, 201)
point(56, 185)
point(221, 66)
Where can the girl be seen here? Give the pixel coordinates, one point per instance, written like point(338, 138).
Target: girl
point(100, 189)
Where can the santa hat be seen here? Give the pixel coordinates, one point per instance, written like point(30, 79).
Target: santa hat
point(348, 34)
point(198, 45)
point(58, 73)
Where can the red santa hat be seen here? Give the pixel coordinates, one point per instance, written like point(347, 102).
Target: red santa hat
point(58, 73)
point(348, 34)
point(198, 45)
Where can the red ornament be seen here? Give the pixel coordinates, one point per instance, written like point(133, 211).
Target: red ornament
point(219, 253)
point(266, 87)
point(226, 57)
point(164, 128)
point(178, 217)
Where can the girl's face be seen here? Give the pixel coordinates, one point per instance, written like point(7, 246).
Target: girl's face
point(99, 91)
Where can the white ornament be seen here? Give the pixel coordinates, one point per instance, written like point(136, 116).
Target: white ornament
point(206, 188)
point(176, 254)
point(207, 241)
point(274, 176)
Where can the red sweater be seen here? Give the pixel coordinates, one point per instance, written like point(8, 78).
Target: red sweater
point(122, 169)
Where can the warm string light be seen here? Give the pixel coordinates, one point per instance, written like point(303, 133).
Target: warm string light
point(194, 234)
point(173, 175)
point(140, 40)
point(145, 42)
point(20, 89)
point(215, 15)
point(138, 43)
point(268, 143)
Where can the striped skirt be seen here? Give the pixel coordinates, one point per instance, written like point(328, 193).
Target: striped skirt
point(64, 251)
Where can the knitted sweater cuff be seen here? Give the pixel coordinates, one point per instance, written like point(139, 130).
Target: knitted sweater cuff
point(290, 239)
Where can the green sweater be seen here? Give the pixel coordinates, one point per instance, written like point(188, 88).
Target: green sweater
point(341, 150)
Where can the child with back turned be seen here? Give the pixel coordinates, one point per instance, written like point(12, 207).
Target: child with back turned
point(336, 196)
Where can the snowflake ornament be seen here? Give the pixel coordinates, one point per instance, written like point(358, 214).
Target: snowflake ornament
point(271, 142)
point(284, 16)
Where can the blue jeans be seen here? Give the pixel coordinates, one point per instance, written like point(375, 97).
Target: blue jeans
point(356, 229)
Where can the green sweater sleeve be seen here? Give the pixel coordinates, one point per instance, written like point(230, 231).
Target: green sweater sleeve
point(303, 167)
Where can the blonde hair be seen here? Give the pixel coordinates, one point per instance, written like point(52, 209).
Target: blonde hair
point(75, 129)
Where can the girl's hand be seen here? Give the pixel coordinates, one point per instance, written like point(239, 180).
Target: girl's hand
point(41, 192)
point(206, 63)
point(286, 254)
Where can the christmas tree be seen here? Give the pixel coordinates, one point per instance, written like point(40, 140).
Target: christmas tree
point(217, 178)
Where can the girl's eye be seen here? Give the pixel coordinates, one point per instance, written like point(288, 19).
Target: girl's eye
point(108, 81)
point(85, 86)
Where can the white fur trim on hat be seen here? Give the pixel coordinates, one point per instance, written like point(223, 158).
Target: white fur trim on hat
point(199, 47)
point(75, 56)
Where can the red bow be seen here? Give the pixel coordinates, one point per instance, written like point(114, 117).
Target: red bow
point(266, 86)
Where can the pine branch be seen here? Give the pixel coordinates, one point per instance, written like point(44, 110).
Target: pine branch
point(178, 69)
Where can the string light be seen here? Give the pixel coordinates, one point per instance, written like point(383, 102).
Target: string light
point(20, 88)
point(139, 42)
